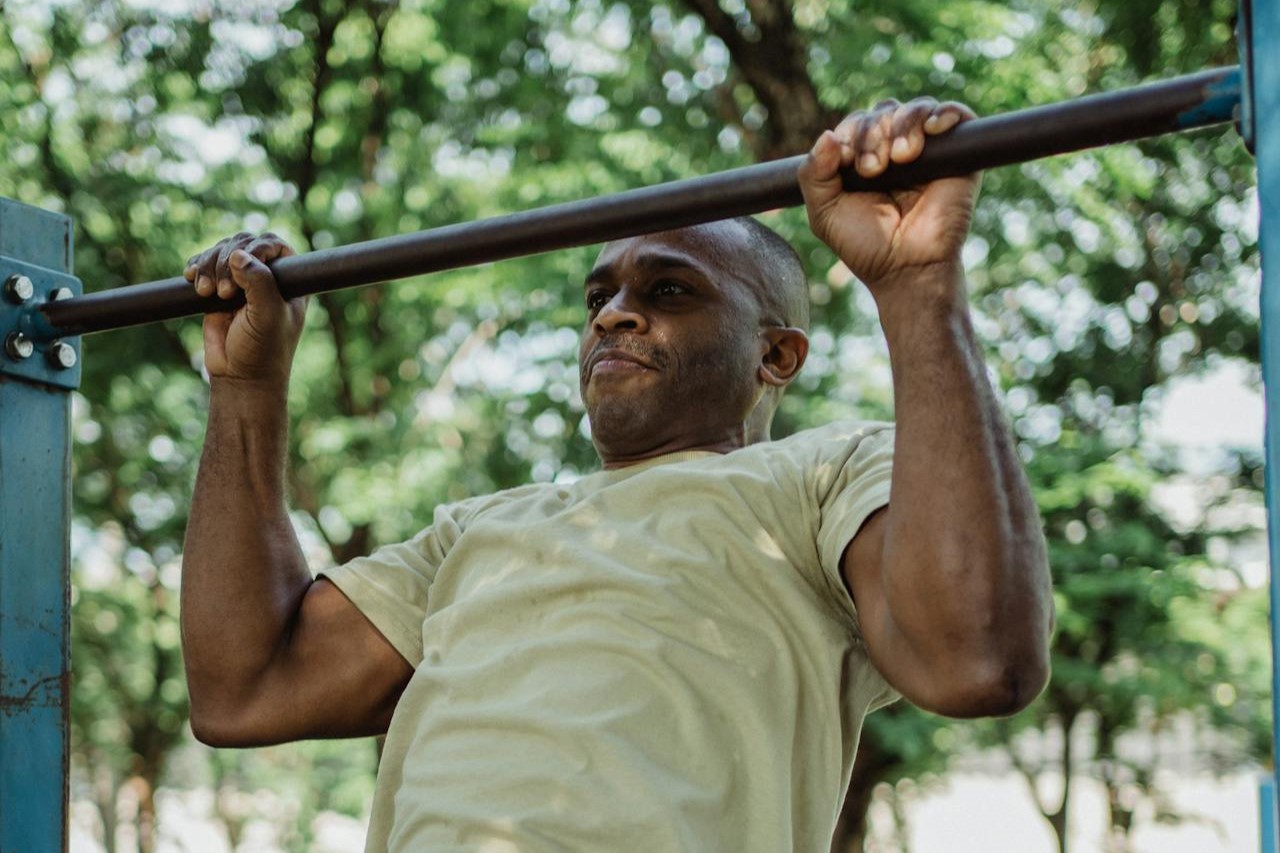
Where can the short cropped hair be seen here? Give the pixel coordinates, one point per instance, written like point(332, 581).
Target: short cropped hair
point(786, 285)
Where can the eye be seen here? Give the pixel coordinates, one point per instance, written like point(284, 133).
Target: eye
point(669, 287)
point(596, 300)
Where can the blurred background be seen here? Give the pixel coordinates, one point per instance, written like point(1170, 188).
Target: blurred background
point(1115, 292)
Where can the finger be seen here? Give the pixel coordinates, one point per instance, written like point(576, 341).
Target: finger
point(823, 162)
point(214, 329)
point(871, 141)
point(255, 277)
point(819, 174)
point(200, 271)
point(268, 247)
point(946, 116)
point(206, 269)
point(222, 270)
point(908, 129)
point(298, 308)
point(844, 135)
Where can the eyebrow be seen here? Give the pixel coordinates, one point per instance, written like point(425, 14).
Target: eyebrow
point(648, 262)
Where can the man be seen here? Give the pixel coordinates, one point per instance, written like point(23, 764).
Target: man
point(676, 652)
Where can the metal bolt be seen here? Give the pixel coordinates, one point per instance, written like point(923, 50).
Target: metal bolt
point(18, 346)
point(18, 289)
point(60, 293)
point(62, 355)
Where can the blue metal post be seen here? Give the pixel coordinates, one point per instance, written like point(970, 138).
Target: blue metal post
point(36, 375)
point(1261, 32)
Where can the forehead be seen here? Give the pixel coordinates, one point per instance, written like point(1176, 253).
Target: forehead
point(721, 250)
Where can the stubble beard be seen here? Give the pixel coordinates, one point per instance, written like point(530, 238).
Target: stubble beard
point(705, 391)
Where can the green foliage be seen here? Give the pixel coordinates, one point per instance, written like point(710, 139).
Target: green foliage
point(1096, 280)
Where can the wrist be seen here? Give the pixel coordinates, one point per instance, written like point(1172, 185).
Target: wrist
point(931, 281)
point(248, 394)
point(247, 439)
point(930, 300)
point(928, 289)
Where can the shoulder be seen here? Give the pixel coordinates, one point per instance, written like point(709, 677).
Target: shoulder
point(827, 445)
point(837, 434)
point(467, 510)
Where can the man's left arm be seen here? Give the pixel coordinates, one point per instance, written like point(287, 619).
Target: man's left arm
point(950, 580)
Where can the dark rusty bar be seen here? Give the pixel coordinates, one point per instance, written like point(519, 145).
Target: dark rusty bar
point(1181, 103)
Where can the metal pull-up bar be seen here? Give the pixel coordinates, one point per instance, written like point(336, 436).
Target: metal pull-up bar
point(1181, 103)
point(39, 305)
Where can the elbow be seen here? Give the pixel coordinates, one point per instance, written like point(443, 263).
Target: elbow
point(223, 725)
point(211, 729)
point(1011, 688)
point(993, 687)
point(1001, 665)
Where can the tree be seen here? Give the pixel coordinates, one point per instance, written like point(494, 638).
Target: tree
point(1096, 280)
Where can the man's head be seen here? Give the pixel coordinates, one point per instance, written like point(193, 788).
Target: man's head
point(691, 337)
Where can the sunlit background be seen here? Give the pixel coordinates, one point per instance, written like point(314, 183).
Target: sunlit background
point(1115, 292)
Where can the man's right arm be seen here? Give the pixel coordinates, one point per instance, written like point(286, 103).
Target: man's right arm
point(271, 654)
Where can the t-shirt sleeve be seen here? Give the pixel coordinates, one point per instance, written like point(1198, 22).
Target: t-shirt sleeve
point(856, 489)
point(852, 492)
point(391, 586)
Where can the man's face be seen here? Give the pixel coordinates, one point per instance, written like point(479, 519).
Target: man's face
point(671, 347)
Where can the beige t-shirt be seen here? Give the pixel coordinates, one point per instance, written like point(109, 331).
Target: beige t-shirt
point(657, 658)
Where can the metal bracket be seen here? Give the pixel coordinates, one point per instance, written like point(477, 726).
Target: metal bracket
point(29, 347)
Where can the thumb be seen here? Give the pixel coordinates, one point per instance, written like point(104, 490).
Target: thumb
point(256, 278)
point(819, 174)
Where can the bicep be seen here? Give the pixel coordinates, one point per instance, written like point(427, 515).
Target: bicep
point(336, 676)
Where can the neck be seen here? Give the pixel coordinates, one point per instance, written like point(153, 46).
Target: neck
point(613, 458)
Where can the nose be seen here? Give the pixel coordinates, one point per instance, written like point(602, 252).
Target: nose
point(620, 314)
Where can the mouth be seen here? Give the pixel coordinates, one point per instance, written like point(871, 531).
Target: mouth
point(616, 361)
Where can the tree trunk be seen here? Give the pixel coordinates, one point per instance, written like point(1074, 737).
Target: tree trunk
point(1120, 817)
point(871, 765)
point(1119, 812)
point(105, 795)
point(769, 52)
point(227, 800)
point(146, 821)
point(1058, 818)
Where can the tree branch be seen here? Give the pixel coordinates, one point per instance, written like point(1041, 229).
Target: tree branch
point(769, 53)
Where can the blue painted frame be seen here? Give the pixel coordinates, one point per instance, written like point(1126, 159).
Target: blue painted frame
point(35, 518)
point(35, 481)
point(1260, 25)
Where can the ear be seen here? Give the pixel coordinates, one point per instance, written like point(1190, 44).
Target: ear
point(785, 350)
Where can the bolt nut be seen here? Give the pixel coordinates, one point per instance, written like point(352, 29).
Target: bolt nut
point(18, 289)
point(62, 355)
point(18, 346)
point(60, 293)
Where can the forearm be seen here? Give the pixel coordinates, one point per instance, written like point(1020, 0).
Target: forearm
point(964, 566)
point(243, 574)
